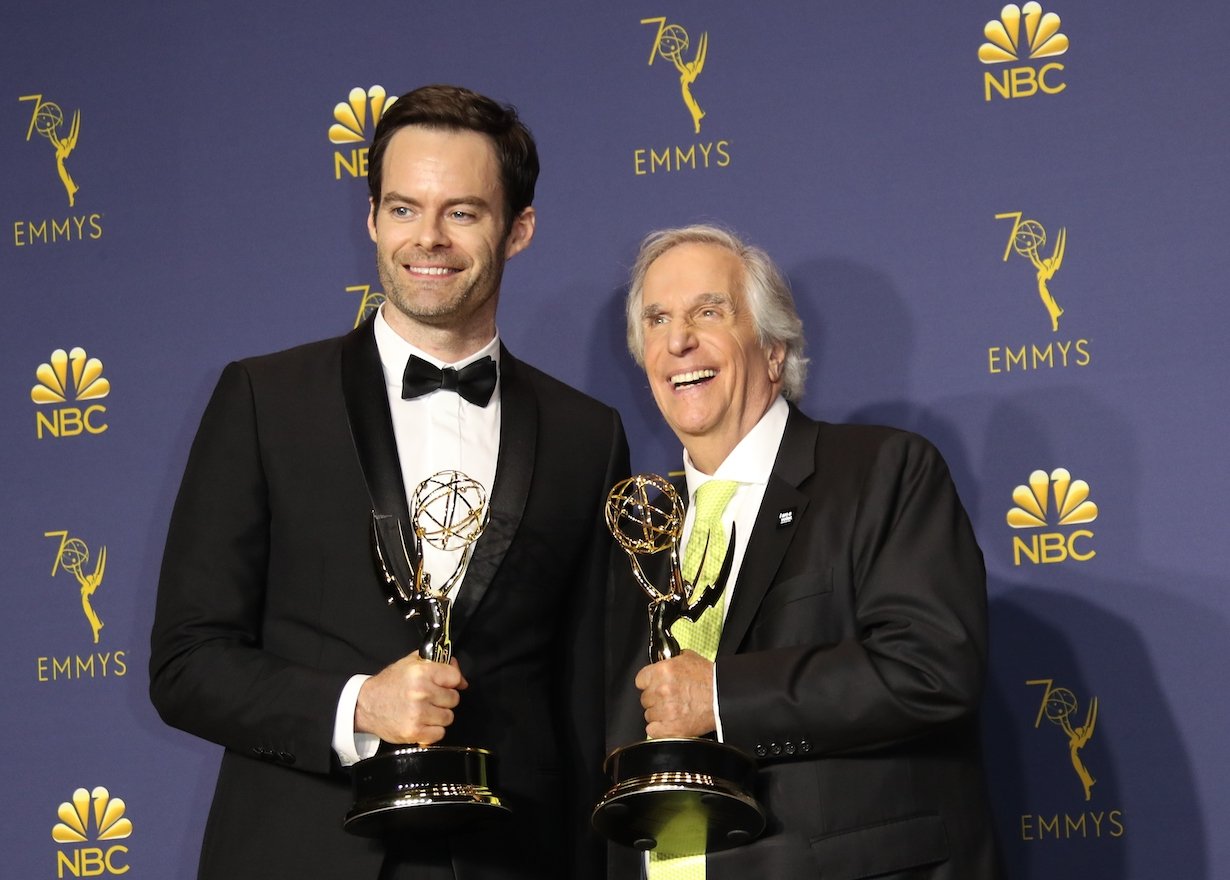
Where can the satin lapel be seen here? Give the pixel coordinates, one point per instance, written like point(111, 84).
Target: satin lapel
point(371, 424)
point(513, 474)
point(796, 461)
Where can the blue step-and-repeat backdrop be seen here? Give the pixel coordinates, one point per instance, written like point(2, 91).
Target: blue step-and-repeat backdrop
point(1006, 228)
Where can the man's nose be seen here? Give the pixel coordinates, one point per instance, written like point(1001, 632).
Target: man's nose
point(431, 233)
point(681, 337)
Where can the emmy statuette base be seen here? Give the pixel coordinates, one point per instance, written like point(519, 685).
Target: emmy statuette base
point(423, 789)
point(681, 796)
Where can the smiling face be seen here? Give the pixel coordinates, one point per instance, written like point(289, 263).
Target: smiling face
point(710, 376)
point(442, 238)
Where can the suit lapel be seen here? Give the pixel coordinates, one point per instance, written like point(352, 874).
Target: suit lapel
point(771, 537)
point(371, 424)
point(513, 474)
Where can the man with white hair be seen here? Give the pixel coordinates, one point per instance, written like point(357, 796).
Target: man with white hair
point(848, 653)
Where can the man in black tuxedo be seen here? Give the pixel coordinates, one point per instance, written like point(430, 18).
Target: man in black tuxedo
point(852, 653)
point(273, 636)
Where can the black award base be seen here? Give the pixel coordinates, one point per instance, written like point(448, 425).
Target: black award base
point(681, 796)
point(423, 789)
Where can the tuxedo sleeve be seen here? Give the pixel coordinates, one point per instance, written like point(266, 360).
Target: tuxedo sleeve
point(908, 577)
point(210, 673)
point(583, 671)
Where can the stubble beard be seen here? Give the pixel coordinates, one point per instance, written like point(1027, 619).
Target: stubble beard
point(454, 309)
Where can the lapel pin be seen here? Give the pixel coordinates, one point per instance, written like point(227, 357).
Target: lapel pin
point(785, 517)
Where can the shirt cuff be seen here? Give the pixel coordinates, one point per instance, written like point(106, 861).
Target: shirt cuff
point(349, 746)
point(717, 716)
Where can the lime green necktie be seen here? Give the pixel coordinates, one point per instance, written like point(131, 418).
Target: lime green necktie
point(711, 499)
point(702, 636)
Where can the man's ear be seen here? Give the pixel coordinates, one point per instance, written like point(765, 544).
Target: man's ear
point(520, 232)
point(777, 358)
point(371, 218)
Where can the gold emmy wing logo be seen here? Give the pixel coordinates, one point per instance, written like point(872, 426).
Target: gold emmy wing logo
point(1022, 32)
point(1059, 706)
point(671, 43)
point(369, 301)
point(73, 556)
point(1028, 239)
point(54, 385)
point(48, 120)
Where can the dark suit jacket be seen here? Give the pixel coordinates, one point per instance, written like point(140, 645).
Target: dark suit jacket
point(269, 601)
point(850, 665)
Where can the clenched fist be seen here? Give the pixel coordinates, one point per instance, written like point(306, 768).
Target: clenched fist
point(410, 701)
point(677, 695)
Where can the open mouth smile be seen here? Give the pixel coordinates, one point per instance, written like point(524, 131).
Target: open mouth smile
point(430, 271)
point(691, 378)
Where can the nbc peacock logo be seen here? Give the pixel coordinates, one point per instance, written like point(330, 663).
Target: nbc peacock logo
point(1023, 34)
point(90, 824)
point(353, 121)
point(69, 377)
point(1033, 509)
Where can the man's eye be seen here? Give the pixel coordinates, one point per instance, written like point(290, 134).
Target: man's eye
point(400, 211)
point(462, 215)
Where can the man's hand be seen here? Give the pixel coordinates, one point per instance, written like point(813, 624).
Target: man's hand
point(678, 696)
point(410, 701)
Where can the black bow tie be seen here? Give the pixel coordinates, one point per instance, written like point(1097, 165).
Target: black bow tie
point(475, 382)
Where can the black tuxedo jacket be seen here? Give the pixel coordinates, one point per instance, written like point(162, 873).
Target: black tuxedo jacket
point(850, 665)
point(269, 602)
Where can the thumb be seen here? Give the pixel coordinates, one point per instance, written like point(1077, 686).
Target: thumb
point(463, 684)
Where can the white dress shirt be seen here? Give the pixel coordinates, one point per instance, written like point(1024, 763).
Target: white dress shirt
point(437, 431)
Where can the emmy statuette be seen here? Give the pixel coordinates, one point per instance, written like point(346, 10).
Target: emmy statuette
point(411, 787)
point(684, 795)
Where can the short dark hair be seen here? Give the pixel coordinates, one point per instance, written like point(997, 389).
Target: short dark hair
point(454, 108)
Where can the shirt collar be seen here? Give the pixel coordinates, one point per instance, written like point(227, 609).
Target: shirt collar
point(751, 461)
